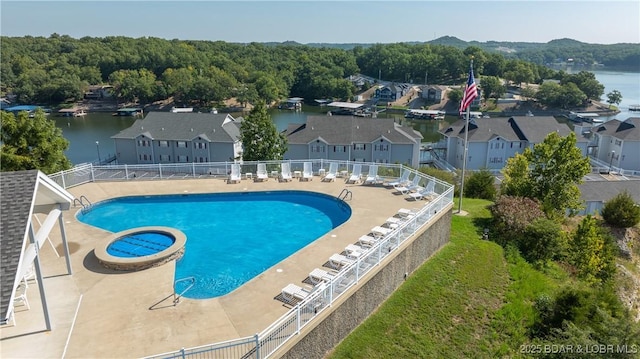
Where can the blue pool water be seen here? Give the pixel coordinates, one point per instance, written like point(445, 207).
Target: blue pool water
point(231, 237)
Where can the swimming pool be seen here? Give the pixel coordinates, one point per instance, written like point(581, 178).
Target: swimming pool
point(231, 237)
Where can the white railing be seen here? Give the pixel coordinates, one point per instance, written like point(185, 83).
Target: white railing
point(264, 344)
point(290, 324)
point(89, 172)
point(599, 166)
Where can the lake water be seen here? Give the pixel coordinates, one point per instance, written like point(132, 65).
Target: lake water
point(628, 83)
point(84, 132)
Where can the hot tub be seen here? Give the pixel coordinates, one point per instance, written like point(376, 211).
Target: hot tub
point(141, 248)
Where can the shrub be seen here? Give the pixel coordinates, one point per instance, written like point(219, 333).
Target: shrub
point(591, 317)
point(541, 241)
point(621, 211)
point(446, 176)
point(593, 252)
point(480, 185)
point(512, 215)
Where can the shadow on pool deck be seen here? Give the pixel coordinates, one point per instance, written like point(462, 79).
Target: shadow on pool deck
point(113, 312)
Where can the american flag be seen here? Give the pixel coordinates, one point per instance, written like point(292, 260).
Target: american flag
point(470, 93)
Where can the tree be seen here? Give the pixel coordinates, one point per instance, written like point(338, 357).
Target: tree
point(558, 166)
point(455, 96)
point(481, 185)
point(492, 87)
point(550, 173)
point(516, 176)
point(260, 138)
point(32, 143)
point(593, 252)
point(621, 211)
point(614, 97)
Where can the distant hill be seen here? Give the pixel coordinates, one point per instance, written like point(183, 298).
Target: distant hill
point(621, 56)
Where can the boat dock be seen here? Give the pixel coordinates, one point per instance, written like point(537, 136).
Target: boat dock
point(425, 114)
point(71, 112)
point(129, 111)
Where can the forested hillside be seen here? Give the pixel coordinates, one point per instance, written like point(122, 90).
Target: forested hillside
point(618, 56)
point(60, 68)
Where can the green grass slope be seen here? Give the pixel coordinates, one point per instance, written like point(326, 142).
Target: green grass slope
point(468, 301)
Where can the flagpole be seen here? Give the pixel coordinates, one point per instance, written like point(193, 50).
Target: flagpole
point(464, 159)
point(466, 149)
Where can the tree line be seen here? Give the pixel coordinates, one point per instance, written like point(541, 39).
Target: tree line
point(60, 68)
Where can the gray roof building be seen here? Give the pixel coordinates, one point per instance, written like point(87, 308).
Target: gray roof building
point(625, 130)
point(524, 128)
point(167, 137)
point(353, 138)
point(350, 129)
point(493, 140)
point(23, 194)
point(617, 143)
point(184, 126)
point(596, 193)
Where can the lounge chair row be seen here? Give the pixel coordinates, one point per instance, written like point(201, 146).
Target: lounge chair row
point(356, 175)
point(307, 174)
point(319, 277)
point(412, 188)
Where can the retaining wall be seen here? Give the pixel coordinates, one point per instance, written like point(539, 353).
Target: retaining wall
point(348, 312)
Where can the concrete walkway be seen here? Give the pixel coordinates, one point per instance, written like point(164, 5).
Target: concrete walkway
point(131, 314)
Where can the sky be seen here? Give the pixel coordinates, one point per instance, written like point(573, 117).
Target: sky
point(303, 21)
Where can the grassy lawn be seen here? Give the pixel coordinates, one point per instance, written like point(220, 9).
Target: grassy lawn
point(469, 301)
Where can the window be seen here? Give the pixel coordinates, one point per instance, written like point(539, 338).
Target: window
point(144, 143)
point(165, 158)
point(359, 146)
point(339, 148)
point(317, 148)
point(200, 145)
point(182, 144)
point(183, 159)
point(163, 143)
point(618, 142)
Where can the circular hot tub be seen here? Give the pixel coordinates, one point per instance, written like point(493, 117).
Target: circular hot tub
point(141, 248)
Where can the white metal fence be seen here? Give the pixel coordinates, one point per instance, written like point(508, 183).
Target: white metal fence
point(265, 343)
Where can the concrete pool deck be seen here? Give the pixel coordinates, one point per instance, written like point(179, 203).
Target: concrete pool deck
point(131, 314)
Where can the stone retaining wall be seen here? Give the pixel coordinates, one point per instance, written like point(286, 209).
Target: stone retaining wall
point(332, 326)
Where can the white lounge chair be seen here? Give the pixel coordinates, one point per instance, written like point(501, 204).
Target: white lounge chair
point(293, 292)
point(333, 172)
point(318, 276)
point(423, 193)
point(372, 176)
point(354, 251)
point(380, 232)
point(404, 179)
point(235, 175)
point(356, 174)
point(367, 240)
point(285, 172)
point(261, 172)
point(406, 213)
point(413, 186)
point(336, 261)
point(307, 172)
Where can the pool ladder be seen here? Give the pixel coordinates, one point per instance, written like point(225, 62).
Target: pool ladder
point(176, 297)
point(344, 194)
point(81, 201)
